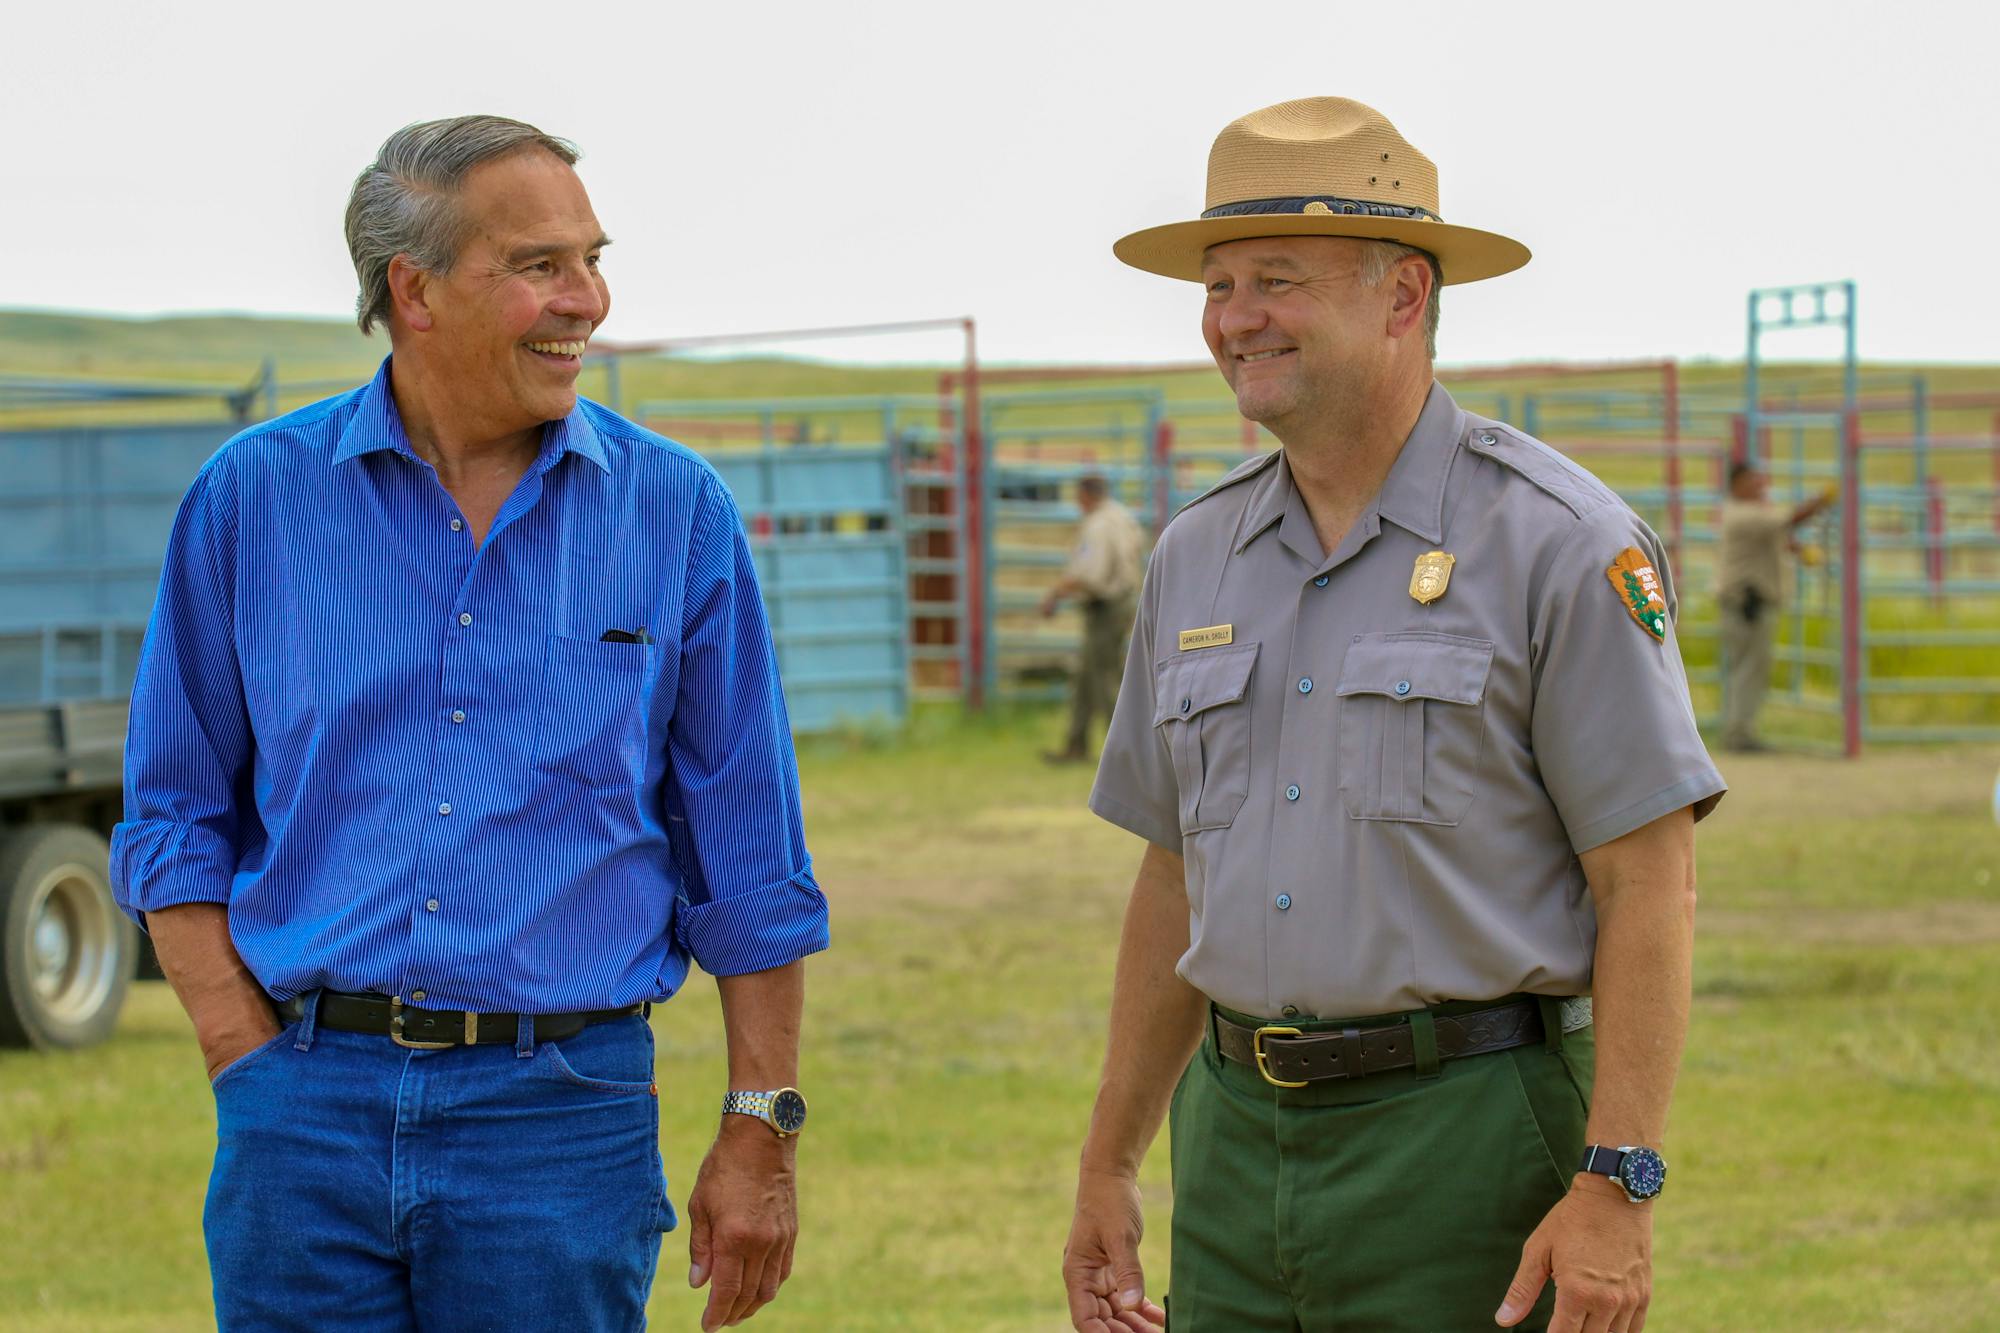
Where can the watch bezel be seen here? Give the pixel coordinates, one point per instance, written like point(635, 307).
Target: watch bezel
point(1635, 1161)
point(782, 1098)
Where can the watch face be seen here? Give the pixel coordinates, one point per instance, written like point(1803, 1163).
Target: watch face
point(788, 1111)
point(1643, 1173)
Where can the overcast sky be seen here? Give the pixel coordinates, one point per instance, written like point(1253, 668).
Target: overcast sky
point(780, 164)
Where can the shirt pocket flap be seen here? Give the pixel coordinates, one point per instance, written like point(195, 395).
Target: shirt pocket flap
point(1194, 682)
point(1444, 667)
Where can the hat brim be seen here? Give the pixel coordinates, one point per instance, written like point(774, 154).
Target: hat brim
point(1466, 254)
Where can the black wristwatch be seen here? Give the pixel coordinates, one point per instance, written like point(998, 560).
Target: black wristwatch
point(1640, 1172)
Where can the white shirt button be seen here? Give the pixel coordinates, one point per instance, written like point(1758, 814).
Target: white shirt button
point(458, 715)
point(431, 906)
point(457, 523)
point(416, 997)
point(465, 617)
point(444, 808)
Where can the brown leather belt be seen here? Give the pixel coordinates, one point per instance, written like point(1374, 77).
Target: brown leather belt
point(434, 1029)
point(1289, 1058)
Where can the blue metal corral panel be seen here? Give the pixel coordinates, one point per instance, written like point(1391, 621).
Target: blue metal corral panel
point(84, 517)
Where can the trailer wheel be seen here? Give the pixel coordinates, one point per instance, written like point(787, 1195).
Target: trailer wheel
point(66, 952)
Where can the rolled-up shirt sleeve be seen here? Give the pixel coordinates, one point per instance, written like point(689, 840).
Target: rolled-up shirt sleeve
point(188, 747)
point(749, 901)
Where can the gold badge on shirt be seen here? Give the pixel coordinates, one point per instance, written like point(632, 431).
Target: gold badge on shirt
point(1213, 636)
point(1431, 576)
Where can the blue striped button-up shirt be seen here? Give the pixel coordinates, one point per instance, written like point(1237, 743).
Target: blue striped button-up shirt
point(412, 765)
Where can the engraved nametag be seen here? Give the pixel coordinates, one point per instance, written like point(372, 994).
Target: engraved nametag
point(1214, 636)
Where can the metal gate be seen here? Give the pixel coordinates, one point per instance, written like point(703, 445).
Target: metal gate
point(821, 486)
point(1037, 446)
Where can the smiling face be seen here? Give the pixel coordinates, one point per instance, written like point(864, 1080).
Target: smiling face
point(1293, 327)
point(505, 329)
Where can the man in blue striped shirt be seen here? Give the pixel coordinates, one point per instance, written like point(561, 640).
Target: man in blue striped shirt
point(457, 736)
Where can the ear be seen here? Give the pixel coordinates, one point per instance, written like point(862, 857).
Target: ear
point(409, 295)
point(1410, 295)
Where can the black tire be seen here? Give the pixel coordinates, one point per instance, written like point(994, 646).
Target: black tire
point(67, 953)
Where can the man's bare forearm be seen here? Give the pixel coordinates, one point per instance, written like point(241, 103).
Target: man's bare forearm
point(229, 1009)
point(1156, 1020)
point(761, 1016)
point(1644, 889)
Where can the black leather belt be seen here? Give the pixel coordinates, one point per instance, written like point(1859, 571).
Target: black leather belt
point(435, 1029)
point(1290, 1058)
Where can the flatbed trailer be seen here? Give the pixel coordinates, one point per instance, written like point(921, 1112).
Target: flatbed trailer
point(87, 498)
point(67, 954)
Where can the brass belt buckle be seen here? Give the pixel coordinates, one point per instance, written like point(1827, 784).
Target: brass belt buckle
point(1263, 1066)
point(396, 1030)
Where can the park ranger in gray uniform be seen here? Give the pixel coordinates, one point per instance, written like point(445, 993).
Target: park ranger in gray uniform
point(1405, 728)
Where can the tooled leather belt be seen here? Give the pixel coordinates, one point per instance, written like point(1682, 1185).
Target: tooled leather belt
point(1286, 1056)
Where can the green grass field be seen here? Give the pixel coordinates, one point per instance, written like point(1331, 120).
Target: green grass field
point(1835, 1141)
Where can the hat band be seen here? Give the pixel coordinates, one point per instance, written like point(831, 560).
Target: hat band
point(1331, 203)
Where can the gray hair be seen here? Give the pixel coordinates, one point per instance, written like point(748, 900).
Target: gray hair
point(1378, 257)
point(406, 201)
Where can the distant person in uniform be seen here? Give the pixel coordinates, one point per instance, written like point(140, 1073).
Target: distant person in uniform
point(457, 739)
point(1406, 732)
point(1103, 573)
point(1754, 534)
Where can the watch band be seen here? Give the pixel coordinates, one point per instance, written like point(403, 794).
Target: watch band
point(1639, 1171)
point(783, 1109)
point(1599, 1160)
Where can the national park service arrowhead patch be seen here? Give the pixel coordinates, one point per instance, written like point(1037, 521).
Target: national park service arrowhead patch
point(1637, 584)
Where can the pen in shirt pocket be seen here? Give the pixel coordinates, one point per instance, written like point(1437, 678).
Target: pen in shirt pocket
point(624, 636)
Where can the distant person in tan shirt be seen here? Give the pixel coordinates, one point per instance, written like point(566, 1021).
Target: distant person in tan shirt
point(1104, 572)
point(1754, 534)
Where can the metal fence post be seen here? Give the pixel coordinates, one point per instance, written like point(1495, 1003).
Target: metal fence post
point(1934, 537)
point(1852, 665)
point(974, 530)
point(1996, 472)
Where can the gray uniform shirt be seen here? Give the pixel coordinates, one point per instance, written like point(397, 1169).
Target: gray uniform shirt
point(1380, 800)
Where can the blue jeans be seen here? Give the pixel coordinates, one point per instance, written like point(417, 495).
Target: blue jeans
point(359, 1185)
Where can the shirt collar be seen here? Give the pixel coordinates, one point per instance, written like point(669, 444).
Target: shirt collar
point(376, 425)
point(1413, 492)
point(1412, 495)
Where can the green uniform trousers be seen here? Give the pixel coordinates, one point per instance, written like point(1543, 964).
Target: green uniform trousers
point(1391, 1202)
point(1107, 626)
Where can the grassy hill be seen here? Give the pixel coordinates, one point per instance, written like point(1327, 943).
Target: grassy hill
point(228, 350)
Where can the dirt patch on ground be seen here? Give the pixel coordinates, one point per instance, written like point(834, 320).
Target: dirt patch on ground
point(1933, 780)
point(1965, 921)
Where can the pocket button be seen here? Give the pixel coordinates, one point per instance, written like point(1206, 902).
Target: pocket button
point(1402, 687)
point(1292, 792)
point(1306, 685)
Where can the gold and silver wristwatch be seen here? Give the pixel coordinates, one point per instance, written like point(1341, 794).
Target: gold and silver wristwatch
point(783, 1109)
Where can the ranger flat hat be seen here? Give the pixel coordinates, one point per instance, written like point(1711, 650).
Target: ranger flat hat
point(1320, 166)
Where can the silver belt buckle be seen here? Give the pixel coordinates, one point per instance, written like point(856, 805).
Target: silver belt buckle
point(396, 1030)
point(1576, 1014)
